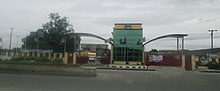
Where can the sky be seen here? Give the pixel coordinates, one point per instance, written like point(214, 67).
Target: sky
point(159, 17)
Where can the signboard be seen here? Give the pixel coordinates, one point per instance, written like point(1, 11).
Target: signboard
point(91, 58)
point(157, 58)
point(213, 55)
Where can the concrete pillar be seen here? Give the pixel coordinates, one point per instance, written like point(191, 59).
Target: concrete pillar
point(22, 54)
point(74, 58)
point(183, 61)
point(49, 56)
point(54, 56)
point(38, 54)
point(16, 54)
point(65, 59)
point(193, 62)
point(44, 54)
point(28, 54)
point(60, 55)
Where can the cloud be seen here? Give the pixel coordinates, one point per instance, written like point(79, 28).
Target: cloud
point(200, 20)
point(159, 17)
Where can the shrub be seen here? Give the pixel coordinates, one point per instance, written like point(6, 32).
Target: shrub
point(213, 65)
point(112, 62)
point(200, 63)
point(142, 63)
point(42, 59)
point(127, 62)
point(57, 61)
point(17, 59)
point(30, 58)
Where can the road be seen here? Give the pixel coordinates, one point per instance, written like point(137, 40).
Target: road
point(114, 80)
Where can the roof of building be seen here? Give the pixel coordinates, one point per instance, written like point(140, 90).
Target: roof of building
point(202, 51)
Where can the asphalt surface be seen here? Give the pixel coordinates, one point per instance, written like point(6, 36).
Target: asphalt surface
point(164, 79)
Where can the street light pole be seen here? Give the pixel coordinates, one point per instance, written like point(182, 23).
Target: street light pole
point(10, 39)
point(212, 40)
point(17, 46)
point(212, 37)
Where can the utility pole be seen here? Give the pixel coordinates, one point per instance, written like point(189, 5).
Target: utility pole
point(212, 37)
point(10, 39)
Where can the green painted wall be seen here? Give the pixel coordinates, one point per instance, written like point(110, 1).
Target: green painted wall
point(131, 51)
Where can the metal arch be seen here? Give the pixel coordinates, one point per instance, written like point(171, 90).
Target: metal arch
point(167, 36)
point(91, 35)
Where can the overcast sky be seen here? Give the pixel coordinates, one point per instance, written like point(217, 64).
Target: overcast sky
point(159, 17)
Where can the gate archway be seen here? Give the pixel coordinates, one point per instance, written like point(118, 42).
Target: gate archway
point(170, 36)
point(94, 36)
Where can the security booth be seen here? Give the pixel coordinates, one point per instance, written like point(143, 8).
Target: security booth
point(127, 44)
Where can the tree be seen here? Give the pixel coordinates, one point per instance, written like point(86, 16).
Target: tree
point(54, 33)
point(56, 30)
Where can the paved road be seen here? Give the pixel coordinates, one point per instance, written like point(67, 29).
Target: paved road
point(165, 79)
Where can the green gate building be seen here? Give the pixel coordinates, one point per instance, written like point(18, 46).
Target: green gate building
point(127, 44)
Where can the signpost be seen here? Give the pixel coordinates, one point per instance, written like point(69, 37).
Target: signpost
point(157, 58)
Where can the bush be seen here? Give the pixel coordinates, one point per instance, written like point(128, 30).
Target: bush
point(57, 61)
point(42, 59)
point(16, 59)
point(213, 65)
point(30, 58)
point(112, 62)
point(218, 67)
point(200, 63)
point(127, 62)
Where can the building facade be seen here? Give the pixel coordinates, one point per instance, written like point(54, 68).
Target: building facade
point(127, 43)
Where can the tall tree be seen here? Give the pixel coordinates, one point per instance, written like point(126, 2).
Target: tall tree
point(54, 34)
point(56, 30)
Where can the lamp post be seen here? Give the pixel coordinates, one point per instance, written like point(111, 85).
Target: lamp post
point(212, 41)
point(10, 39)
point(212, 34)
point(17, 45)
